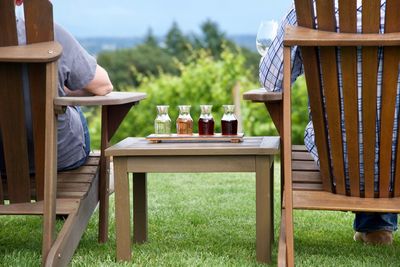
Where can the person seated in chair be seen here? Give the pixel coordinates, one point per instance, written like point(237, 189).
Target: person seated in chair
point(370, 228)
point(78, 75)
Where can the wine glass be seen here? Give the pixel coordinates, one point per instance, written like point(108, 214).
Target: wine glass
point(263, 37)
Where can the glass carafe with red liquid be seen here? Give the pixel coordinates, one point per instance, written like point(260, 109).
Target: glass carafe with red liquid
point(206, 120)
point(229, 122)
point(184, 122)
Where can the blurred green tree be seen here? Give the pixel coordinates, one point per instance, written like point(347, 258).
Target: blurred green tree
point(177, 44)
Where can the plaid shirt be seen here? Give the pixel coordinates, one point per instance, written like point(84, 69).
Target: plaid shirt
point(271, 78)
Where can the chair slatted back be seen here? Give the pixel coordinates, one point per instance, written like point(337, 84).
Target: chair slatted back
point(39, 28)
point(331, 75)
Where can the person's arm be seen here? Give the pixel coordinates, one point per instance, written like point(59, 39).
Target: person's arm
point(100, 85)
point(271, 65)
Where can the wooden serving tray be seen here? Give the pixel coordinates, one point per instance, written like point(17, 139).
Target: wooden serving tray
point(218, 137)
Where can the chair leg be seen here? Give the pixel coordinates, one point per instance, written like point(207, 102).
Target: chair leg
point(289, 236)
point(104, 199)
point(282, 242)
point(68, 238)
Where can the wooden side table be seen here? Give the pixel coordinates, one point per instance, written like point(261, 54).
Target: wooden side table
point(138, 156)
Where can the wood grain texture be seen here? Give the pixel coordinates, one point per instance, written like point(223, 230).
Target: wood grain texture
point(12, 121)
point(282, 250)
point(141, 147)
point(50, 161)
point(303, 36)
point(68, 238)
point(263, 215)
point(348, 23)
point(287, 154)
point(8, 33)
point(370, 24)
point(394, 26)
point(329, 72)
point(33, 53)
point(320, 200)
point(305, 15)
point(122, 210)
point(37, 81)
point(172, 161)
point(39, 21)
point(391, 58)
point(12, 117)
point(113, 98)
point(140, 217)
point(104, 176)
point(262, 95)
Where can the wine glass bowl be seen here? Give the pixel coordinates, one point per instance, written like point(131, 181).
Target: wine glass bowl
point(263, 37)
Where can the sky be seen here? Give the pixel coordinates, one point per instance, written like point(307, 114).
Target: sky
point(130, 18)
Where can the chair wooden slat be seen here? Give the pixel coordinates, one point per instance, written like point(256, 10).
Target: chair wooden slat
point(8, 37)
point(12, 117)
point(37, 79)
point(305, 15)
point(370, 24)
point(329, 70)
point(8, 33)
point(309, 177)
point(391, 58)
point(38, 21)
point(317, 200)
point(302, 156)
point(304, 165)
point(394, 26)
point(12, 121)
point(348, 24)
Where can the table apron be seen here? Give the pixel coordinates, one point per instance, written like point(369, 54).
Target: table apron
point(176, 164)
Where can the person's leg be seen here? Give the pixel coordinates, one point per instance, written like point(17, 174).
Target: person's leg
point(375, 228)
point(87, 143)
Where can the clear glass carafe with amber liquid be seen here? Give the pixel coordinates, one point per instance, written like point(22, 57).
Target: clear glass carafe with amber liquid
point(229, 123)
point(184, 122)
point(162, 123)
point(206, 120)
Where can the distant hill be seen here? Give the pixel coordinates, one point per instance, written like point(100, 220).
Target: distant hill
point(245, 40)
point(97, 44)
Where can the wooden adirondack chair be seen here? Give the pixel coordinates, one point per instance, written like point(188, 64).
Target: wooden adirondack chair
point(306, 185)
point(74, 193)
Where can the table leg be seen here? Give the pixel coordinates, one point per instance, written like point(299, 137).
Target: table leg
point(271, 177)
point(139, 207)
point(122, 210)
point(263, 209)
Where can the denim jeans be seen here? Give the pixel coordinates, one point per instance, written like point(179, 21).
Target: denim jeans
point(370, 222)
point(87, 143)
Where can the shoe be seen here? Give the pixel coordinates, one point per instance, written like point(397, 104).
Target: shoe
point(381, 237)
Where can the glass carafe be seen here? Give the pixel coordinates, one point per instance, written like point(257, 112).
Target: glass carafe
point(206, 120)
point(184, 122)
point(229, 122)
point(162, 123)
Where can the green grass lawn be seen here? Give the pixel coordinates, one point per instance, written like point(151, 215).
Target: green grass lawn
point(204, 220)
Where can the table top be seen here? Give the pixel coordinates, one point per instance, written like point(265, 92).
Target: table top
point(261, 145)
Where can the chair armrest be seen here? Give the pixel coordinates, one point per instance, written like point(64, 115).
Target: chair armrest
point(113, 98)
point(301, 36)
point(32, 53)
point(262, 95)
